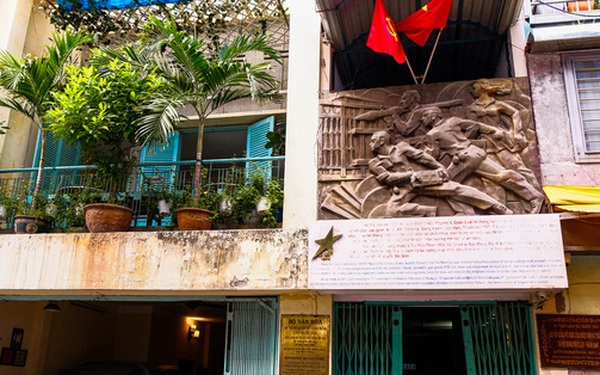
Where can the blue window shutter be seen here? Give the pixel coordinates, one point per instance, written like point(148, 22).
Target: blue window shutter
point(58, 154)
point(161, 153)
point(255, 145)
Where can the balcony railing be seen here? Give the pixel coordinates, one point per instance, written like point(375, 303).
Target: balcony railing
point(140, 191)
point(560, 11)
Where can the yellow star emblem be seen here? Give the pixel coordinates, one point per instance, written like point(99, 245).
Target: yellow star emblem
point(326, 244)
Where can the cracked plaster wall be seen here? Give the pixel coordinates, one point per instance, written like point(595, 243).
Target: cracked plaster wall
point(553, 128)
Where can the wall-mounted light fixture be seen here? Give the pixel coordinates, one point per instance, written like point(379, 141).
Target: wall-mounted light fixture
point(193, 332)
point(52, 307)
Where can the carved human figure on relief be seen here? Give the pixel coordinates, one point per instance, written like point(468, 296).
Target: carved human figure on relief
point(449, 136)
point(405, 119)
point(488, 109)
point(395, 166)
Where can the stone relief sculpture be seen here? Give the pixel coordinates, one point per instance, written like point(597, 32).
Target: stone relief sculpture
point(464, 148)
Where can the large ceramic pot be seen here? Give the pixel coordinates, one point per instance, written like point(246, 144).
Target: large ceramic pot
point(107, 217)
point(579, 6)
point(30, 224)
point(192, 218)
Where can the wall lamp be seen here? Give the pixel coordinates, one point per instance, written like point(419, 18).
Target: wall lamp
point(52, 307)
point(193, 332)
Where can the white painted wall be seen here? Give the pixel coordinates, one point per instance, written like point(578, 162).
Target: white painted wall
point(300, 207)
point(13, 32)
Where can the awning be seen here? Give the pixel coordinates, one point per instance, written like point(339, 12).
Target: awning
point(574, 198)
point(579, 210)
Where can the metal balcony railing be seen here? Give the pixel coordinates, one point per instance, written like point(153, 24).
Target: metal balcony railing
point(560, 11)
point(139, 191)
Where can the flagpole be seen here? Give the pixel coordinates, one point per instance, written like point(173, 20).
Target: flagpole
point(431, 56)
point(411, 71)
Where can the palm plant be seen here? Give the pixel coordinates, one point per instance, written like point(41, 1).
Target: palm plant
point(29, 82)
point(198, 79)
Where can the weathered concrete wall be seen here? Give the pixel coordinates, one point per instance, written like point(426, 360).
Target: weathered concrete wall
point(206, 262)
point(553, 126)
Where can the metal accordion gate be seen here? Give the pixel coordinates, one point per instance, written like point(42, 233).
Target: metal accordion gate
point(497, 336)
point(251, 337)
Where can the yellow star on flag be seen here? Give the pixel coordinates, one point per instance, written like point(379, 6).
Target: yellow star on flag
point(326, 243)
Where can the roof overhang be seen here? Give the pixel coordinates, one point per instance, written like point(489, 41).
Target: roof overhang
point(470, 45)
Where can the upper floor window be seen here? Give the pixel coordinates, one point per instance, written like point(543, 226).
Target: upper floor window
point(582, 79)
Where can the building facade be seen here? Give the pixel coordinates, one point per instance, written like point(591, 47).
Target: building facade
point(425, 224)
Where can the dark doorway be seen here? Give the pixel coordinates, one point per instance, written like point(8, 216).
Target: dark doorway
point(432, 341)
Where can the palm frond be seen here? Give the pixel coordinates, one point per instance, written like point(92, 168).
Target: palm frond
point(248, 43)
point(159, 120)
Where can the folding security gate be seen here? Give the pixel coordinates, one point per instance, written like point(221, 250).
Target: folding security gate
point(498, 339)
point(251, 337)
point(368, 339)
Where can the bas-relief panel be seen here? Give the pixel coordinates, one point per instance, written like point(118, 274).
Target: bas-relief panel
point(463, 148)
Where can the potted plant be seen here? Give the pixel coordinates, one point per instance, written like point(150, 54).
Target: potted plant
point(29, 83)
point(29, 220)
point(274, 198)
point(198, 78)
point(197, 211)
point(260, 199)
point(97, 110)
point(8, 204)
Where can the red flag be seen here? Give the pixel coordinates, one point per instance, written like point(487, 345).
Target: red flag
point(419, 25)
point(383, 37)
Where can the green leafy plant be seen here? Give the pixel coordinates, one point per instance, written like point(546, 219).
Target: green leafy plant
point(8, 201)
point(29, 83)
point(248, 194)
point(274, 194)
point(276, 139)
point(70, 214)
point(197, 78)
point(98, 110)
point(26, 198)
point(209, 197)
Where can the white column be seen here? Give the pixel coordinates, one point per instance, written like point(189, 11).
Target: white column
point(300, 206)
point(518, 41)
point(15, 20)
point(13, 32)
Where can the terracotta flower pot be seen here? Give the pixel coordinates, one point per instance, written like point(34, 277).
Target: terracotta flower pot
point(579, 6)
point(192, 218)
point(107, 217)
point(30, 224)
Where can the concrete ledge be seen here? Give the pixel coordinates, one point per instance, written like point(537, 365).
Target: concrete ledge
point(234, 261)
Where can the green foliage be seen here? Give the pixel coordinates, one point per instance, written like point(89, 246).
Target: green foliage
point(23, 203)
point(98, 109)
point(69, 207)
point(8, 201)
point(29, 82)
point(276, 139)
point(247, 195)
point(274, 195)
point(197, 77)
point(209, 197)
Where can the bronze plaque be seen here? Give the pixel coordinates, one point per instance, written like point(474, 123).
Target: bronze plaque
point(304, 345)
point(569, 341)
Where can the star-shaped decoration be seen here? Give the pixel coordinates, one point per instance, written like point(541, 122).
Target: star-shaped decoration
point(326, 244)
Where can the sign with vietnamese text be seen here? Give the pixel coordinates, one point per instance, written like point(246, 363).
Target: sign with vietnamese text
point(569, 341)
point(304, 345)
point(478, 252)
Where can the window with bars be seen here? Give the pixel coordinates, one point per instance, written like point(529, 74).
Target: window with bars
point(582, 79)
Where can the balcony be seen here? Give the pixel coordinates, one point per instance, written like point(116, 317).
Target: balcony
point(563, 25)
point(66, 189)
